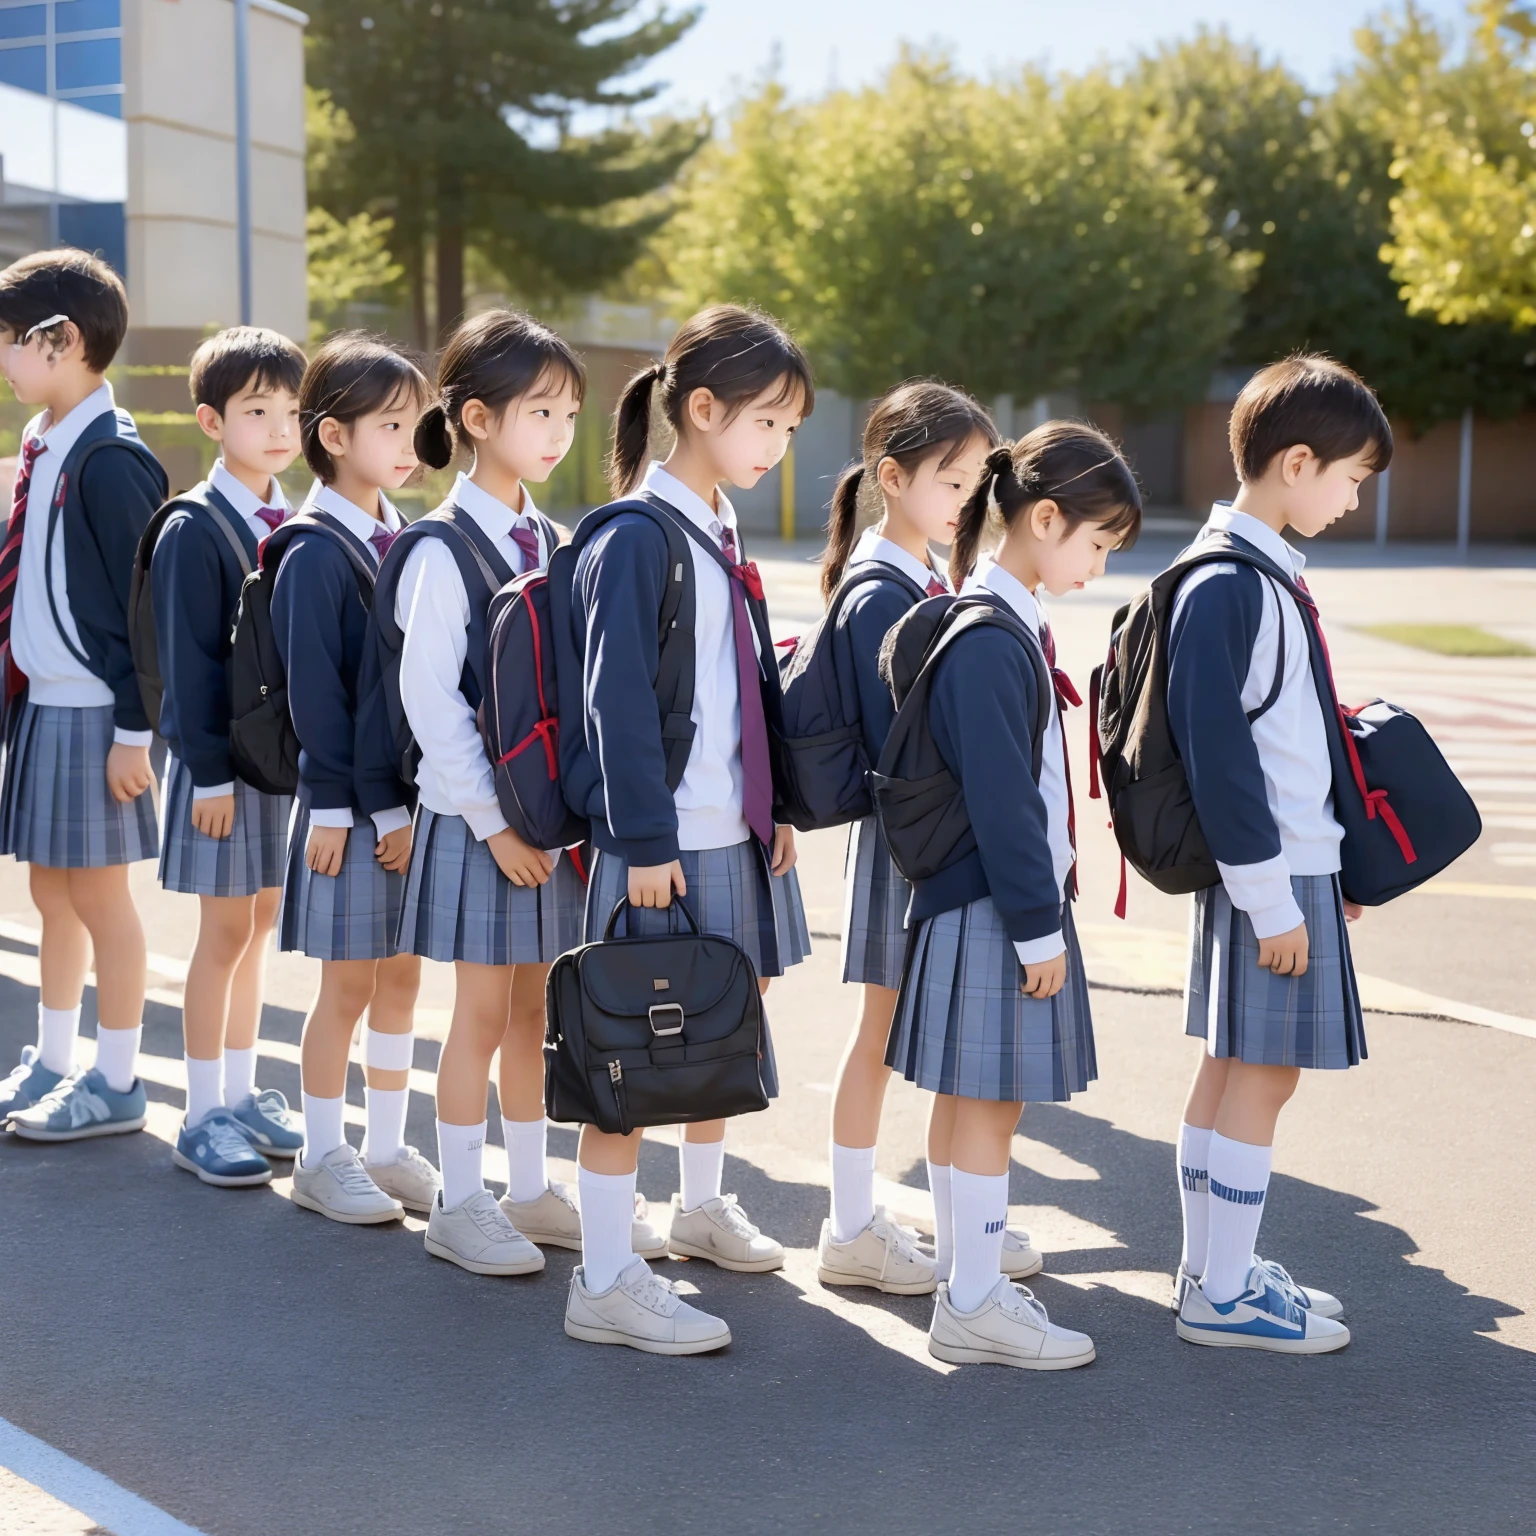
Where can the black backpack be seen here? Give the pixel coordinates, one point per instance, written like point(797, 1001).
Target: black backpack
point(143, 637)
point(822, 772)
point(922, 809)
point(1131, 745)
point(263, 745)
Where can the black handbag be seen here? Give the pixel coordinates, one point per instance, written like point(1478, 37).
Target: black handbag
point(658, 1029)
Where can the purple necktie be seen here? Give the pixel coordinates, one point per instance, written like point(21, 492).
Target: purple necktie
point(271, 516)
point(527, 541)
point(381, 538)
point(936, 588)
point(756, 771)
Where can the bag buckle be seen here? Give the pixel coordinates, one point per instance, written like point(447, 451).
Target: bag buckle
point(666, 1011)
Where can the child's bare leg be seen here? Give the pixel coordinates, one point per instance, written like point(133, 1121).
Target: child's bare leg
point(223, 935)
point(481, 1000)
point(857, 1099)
point(102, 901)
point(64, 957)
point(941, 1132)
point(346, 990)
point(248, 990)
point(520, 1085)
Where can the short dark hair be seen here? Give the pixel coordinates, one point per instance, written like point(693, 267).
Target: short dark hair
point(352, 375)
point(243, 357)
point(1311, 400)
point(72, 283)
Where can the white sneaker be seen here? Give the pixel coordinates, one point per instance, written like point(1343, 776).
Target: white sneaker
point(1009, 1328)
point(1021, 1258)
point(645, 1240)
point(1265, 1316)
point(477, 1236)
point(338, 1186)
point(1319, 1303)
point(551, 1221)
point(720, 1232)
point(882, 1256)
point(411, 1179)
point(645, 1312)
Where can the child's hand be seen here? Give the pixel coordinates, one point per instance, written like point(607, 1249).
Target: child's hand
point(1045, 978)
point(784, 854)
point(1353, 911)
point(393, 850)
point(128, 772)
point(1286, 953)
point(521, 864)
point(651, 885)
point(326, 848)
point(214, 815)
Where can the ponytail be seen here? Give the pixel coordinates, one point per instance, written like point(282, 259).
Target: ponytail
point(434, 437)
point(632, 430)
point(972, 522)
point(840, 526)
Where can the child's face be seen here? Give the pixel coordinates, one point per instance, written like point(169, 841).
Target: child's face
point(1068, 558)
point(50, 364)
point(533, 434)
point(376, 449)
point(747, 445)
point(258, 430)
point(1313, 495)
point(933, 493)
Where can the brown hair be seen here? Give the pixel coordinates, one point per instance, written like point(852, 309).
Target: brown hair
point(352, 375)
point(737, 354)
point(1067, 462)
point(495, 358)
point(243, 357)
point(72, 283)
point(910, 424)
point(1311, 400)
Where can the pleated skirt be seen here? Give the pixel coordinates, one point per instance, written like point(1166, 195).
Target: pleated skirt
point(351, 916)
point(250, 859)
point(875, 897)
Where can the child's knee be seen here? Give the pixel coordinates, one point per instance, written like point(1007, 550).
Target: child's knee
point(351, 990)
point(225, 927)
point(101, 897)
point(50, 891)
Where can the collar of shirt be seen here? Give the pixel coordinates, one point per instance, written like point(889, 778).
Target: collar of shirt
point(1000, 583)
point(495, 517)
point(239, 495)
point(351, 517)
point(60, 436)
point(1225, 518)
point(874, 546)
point(693, 507)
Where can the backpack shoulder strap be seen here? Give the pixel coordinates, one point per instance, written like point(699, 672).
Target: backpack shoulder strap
point(321, 522)
point(203, 499)
point(488, 563)
point(864, 575)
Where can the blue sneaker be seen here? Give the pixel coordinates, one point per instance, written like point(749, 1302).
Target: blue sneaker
point(265, 1121)
point(1306, 1296)
point(27, 1084)
point(215, 1149)
point(82, 1105)
point(1265, 1316)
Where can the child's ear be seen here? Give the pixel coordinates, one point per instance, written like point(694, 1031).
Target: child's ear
point(211, 422)
point(1293, 461)
point(888, 476)
point(332, 438)
point(1043, 518)
point(701, 411)
point(475, 419)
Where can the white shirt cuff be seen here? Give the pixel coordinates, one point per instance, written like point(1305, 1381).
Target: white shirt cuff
point(1280, 918)
point(485, 821)
point(385, 822)
point(213, 791)
point(337, 816)
point(122, 738)
point(1036, 951)
point(1263, 891)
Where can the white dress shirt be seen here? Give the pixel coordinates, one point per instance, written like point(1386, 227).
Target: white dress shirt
point(54, 675)
point(993, 579)
point(361, 525)
point(875, 546)
point(454, 777)
point(709, 799)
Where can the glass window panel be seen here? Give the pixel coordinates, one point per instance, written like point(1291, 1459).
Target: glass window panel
point(23, 21)
point(26, 67)
point(86, 15)
point(98, 62)
point(109, 102)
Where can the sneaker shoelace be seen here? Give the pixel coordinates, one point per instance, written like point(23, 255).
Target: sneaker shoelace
point(353, 1177)
point(1278, 1278)
point(275, 1108)
point(655, 1291)
point(901, 1241)
point(734, 1219)
point(1023, 1303)
point(490, 1218)
point(226, 1142)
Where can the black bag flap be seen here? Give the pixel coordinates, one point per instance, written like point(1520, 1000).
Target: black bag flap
point(626, 977)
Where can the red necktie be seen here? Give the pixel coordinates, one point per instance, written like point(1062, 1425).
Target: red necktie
point(527, 541)
point(272, 516)
point(936, 588)
point(1067, 697)
point(381, 538)
point(10, 555)
point(756, 771)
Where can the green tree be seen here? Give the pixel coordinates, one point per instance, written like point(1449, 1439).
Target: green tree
point(463, 112)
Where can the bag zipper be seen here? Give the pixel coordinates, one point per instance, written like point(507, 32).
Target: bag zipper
point(620, 1099)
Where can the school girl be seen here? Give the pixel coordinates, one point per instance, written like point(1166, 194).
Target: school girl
point(993, 1010)
point(345, 882)
point(924, 445)
point(733, 387)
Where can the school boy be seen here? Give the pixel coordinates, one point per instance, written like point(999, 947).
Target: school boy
point(1271, 985)
point(76, 802)
point(225, 842)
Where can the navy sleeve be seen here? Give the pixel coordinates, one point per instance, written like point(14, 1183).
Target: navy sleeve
point(620, 579)
point(982, 710)
point(310, 598)
point(192, 623)
point(1210, 652)
point(870, 613)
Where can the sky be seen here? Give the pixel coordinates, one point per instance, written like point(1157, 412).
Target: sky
point(849, 42)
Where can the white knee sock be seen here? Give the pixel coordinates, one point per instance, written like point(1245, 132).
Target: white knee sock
point(607, 1216)
point(57, 1030)
point(943, 1218)
point(981, 1214)
point(1239, 1177)
point(117, 1052)
point(703, 1166)
point(1194, 1149)
point(527, 1176)
point(322, 1127)
point(204, 1090)
point(459, 1149)
point(239, 1074)
point(853, 1191)
point(384, 1135)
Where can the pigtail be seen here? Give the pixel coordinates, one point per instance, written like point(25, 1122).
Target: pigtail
point(632, 430)
point(972, 522)
point(433, 438)
point(840, 527)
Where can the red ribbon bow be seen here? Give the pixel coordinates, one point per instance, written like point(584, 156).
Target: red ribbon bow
point(746, 574)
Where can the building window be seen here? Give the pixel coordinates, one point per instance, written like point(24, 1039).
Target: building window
point(71, 50)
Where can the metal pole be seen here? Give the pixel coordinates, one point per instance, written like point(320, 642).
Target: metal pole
point(1383, 502)
point(243, 152)
point(1464, 487)
point(787, 495)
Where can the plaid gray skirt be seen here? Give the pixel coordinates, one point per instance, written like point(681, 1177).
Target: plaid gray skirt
point(962, 1025)
point(875, 896)
point(55, 807)
point(1275, 1021)
point(459, 905)
point(351, 916)
point(250, 859)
